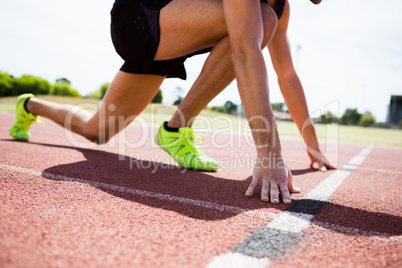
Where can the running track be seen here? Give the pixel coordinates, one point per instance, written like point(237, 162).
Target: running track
point(67, 203)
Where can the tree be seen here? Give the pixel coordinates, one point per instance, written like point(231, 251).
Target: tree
point(103, 89)
point(6, 84)
point(10, 86)
point(277, 106)
point(219, 109)
point(179, 91)
point(30, 84)
point(178, 101)
point(63, 89)
point(367, 120)
point(350, 117)
point(328, 118)
point(158, 97)
point(231, 108)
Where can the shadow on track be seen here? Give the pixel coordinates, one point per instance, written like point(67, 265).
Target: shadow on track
point(348, 220)
point(298, 172)
point(105, 167)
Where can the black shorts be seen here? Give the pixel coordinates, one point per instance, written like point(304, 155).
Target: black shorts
point(279, 6)
point(136, 35)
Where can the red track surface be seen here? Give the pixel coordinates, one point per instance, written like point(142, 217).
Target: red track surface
point(64, 205)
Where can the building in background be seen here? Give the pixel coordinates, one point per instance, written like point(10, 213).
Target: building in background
point(394, 118)
point(63, 80)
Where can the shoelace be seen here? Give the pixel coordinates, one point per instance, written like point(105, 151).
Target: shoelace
point(40, 122)
point(194, 139)
point(37, 120)
point(198, 138)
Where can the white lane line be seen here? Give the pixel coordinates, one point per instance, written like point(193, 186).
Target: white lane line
point(8, 155)
point(237, 260)
point(296, 222)
point(291, 222)
point(164, 197)
point(324, 190)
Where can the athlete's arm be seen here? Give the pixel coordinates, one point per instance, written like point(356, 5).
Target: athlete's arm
point(244, 24)
point(292, 90)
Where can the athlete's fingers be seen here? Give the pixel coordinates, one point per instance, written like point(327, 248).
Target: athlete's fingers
point(314, 165)
point(274, 191)
point(321, 166)
point(317, 165)
point(283, 187)
point(265, 190)
point(328, 165)
point(291, 188)
point(251, 188)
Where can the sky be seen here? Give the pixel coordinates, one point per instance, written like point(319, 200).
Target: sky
point(349, 56)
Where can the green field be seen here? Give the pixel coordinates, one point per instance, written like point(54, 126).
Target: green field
point(155, 114)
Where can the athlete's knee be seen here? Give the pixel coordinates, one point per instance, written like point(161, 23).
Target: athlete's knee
point(270, 22)
point(98, 139)
point(96, 135)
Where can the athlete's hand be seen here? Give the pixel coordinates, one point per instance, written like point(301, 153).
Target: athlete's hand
point(275, 178)
point(319, 161)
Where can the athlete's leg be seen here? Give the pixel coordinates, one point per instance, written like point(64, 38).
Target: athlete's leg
point(130, 93)
point(189, 25)
point(216, 75)
point(126, 97)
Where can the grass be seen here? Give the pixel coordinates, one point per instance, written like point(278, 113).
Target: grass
point(155, 114)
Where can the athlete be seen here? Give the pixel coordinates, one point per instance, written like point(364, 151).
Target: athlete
point(213, 80)
point(154, 37)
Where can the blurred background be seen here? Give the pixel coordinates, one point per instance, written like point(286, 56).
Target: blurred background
point(348, 54)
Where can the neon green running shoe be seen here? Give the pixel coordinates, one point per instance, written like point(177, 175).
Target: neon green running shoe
point(19, 130)
point(183, 148)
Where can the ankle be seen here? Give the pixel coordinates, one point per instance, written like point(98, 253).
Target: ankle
point(25, 105)
point(179, 121)
point(29, 106)
point(175, 123)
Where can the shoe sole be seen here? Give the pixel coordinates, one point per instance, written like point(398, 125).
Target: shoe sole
point(185, 167)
